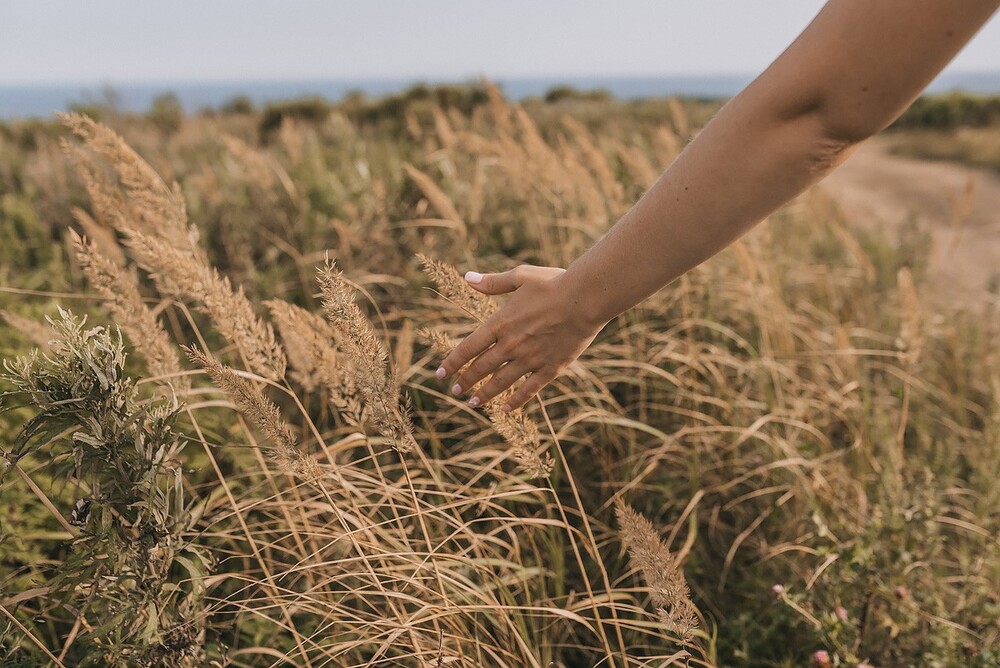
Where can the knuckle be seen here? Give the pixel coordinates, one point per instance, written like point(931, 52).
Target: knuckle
point(501, 329)
point(481, 366)
point(520, 398)
point(494, 387)
point(488, 392)
point(474, 371)
point(507, 347)
point(462, 349)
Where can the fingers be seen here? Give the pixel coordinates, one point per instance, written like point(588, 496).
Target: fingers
point(496, 284)
point(501, 380)
point(529, 388)
point(471, 346)
point(484, 365)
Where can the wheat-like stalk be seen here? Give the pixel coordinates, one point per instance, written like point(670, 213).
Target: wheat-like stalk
point(120, 290)
point(256, 165)
point(669, 591)
point(441, 344)
point(309, 342)
point(457, 290)
point(101, 236)
point(443, 129)
point(262, 412)
point(437, 197)
point(153, 220)
point(679, 118)
point(595, 159)
point(369, 359)
point(521, 433)
point(180, 273)
point(499, 108)
point(158, 208)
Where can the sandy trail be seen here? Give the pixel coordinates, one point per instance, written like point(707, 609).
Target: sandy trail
point(875, 188)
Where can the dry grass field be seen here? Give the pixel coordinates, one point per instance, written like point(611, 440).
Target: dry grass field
point(223, 443)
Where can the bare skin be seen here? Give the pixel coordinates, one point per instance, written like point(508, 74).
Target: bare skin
point(850, 73)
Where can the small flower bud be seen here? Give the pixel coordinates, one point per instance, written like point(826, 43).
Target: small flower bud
point(822, 659)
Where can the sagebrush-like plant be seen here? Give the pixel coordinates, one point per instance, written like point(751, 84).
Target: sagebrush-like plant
point(130, 573)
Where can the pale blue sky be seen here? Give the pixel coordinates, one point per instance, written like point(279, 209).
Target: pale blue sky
point(72, 41)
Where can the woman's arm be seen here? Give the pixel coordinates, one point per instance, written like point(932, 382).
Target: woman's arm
point(851, 72)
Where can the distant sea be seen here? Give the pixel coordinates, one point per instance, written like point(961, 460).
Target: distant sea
point(43, 100)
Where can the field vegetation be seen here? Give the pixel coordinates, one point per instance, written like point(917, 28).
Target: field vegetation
point(223, 443)
point(959, 127)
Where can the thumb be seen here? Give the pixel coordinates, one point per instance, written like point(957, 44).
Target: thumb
point(495, 284)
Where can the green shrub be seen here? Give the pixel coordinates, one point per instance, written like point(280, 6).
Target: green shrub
point(943, 112)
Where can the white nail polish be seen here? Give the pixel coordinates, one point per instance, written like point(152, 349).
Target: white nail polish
point(456, 389)
point(440, 373)
point(473, 277)
point(473, 402)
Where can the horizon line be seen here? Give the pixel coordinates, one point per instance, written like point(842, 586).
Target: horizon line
point(416, 79)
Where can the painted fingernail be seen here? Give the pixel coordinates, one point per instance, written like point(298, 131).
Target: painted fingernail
point(440, 373)
point(473, 402)
point(506, 408)
point(473, 277)
point(456, 389)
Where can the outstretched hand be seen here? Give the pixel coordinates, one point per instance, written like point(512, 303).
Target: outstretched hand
point(537, 333)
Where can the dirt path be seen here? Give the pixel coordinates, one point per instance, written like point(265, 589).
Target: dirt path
point(875, 188)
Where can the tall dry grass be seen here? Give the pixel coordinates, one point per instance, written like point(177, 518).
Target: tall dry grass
point(789, 414)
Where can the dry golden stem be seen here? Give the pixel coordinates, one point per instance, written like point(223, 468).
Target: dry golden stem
point(668, 589)
point(120, 290)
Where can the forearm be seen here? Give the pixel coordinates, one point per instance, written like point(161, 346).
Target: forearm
point(853, 70)
point(743, 165)
point(856, 67)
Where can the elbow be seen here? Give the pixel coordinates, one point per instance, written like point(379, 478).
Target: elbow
point(836, 133)
point(849, 129)
point(848, 119)
point(827, 126)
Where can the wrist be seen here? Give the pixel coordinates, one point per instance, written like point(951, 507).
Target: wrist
point(584, 302)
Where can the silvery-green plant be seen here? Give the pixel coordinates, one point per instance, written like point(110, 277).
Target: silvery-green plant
point(130, 579)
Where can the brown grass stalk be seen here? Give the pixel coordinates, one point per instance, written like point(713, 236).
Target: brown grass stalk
point(262, 412)
point(669, 591)
point(120, 290)
point(369, 359)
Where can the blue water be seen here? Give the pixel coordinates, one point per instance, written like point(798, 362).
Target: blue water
point(43, 100)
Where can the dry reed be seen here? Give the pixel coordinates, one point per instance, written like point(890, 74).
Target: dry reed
point(262, 412)
point(180, 274)
point(120, 290)
point(369, 360)
point(669, 591)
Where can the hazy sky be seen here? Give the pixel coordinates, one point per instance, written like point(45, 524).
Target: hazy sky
point(73, 41)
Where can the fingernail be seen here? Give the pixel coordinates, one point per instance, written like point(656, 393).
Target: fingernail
point(473, 277)
point(440, 373)
point(456, 389)
point(473, 402)
point(506, 408)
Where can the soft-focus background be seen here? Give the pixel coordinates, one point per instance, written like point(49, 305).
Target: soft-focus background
point(226, 279)
point(55, 52)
